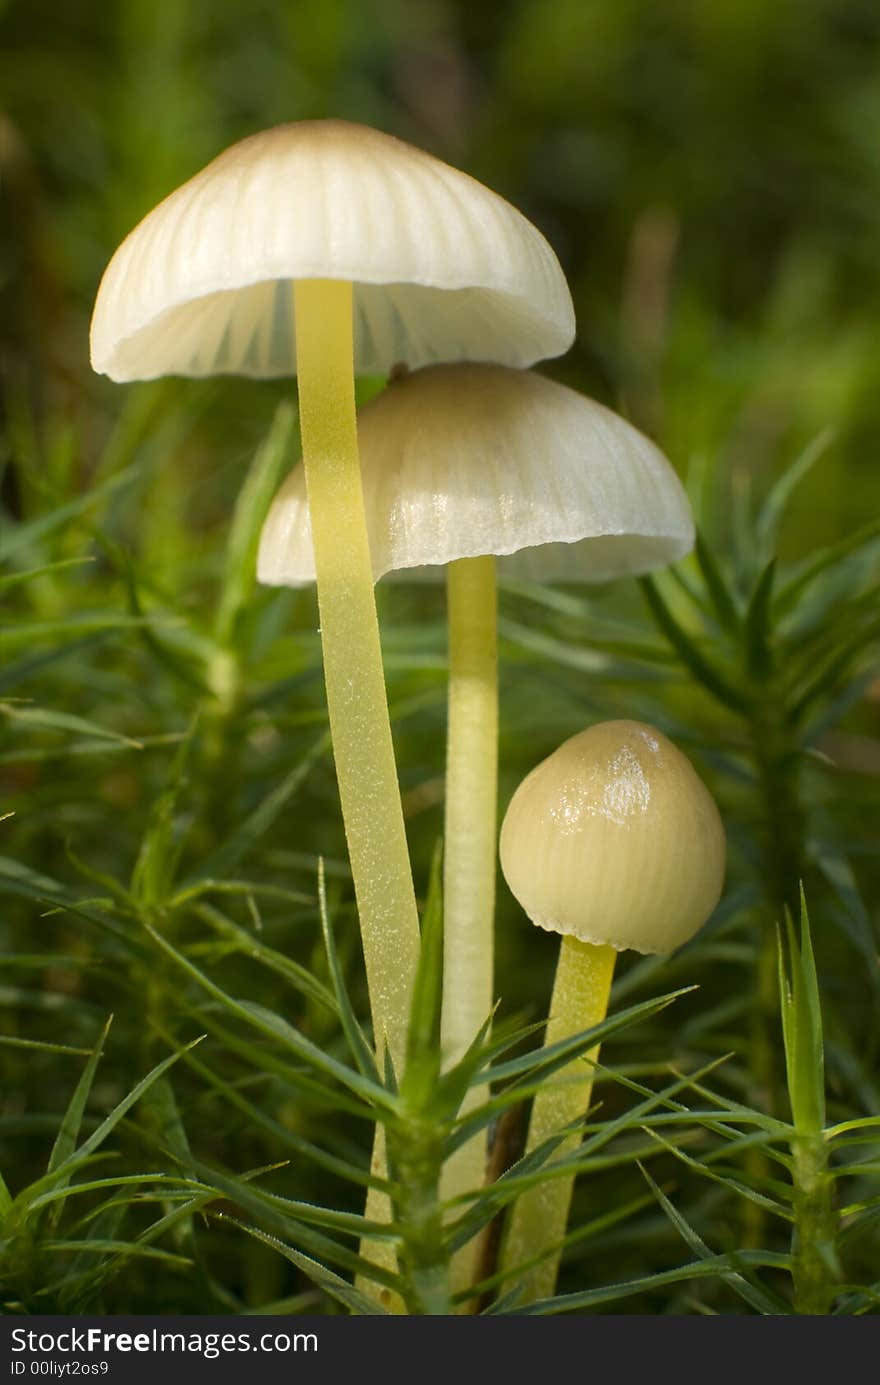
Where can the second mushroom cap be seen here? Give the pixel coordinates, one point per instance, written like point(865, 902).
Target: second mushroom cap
point(468, 460)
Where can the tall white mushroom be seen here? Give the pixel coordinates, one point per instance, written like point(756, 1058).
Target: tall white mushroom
point(463, 464)
point(322, 249)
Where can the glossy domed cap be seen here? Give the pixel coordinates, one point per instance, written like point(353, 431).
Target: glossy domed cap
point(463, 461)
point(444, 268)
point(614, 839)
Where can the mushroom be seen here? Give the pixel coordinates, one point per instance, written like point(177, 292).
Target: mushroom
point(323, 248)
point(460, 464)
point(614, 842)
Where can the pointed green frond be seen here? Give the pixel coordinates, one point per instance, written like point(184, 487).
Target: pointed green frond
point(319, 1274)
point(713, 1267)
point(719, 592)
point(78, 1157)
point(68, 1133)
point(702, 668)
point(422, 1071)
point(755, 1294)
point(772, 511)
point(758, 628)
point(358, 1046)
point(802, 1027)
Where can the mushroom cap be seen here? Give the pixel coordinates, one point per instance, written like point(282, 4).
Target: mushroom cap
point(443, 268)
point(464, 461)
point(615, 840)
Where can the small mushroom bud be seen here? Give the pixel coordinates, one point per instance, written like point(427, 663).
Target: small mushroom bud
point(614, 842)
point(613, 839)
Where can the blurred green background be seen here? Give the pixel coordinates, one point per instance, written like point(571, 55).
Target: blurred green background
point(709, 174)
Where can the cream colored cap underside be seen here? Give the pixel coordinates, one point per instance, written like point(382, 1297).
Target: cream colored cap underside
point(443, 268)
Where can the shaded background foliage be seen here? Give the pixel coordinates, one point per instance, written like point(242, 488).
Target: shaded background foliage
point(710, 177)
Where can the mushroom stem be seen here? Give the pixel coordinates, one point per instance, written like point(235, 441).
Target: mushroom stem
point(356, 699)
point(539, 1217)
point(469, 849)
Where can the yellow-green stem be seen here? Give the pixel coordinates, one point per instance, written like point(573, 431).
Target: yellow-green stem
point(470, 847)
point(539, 1217)
point(356, 699)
